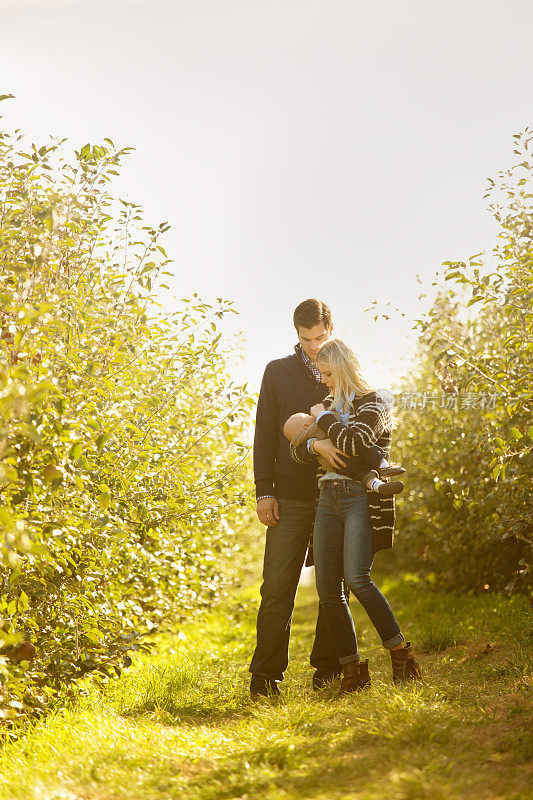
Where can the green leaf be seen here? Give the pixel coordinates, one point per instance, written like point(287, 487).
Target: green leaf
point(103, 500)
point(75, 451)
point(51, 472)
point(23, 601)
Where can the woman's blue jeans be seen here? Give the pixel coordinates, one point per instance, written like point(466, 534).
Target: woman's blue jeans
point(343, 546)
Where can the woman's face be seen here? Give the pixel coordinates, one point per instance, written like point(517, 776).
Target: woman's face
point(326, 376)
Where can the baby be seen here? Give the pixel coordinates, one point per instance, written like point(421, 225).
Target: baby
point(367, 470)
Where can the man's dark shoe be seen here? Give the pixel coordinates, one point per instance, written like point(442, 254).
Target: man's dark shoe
point(323, 677)
point(356, 677)
point(263, 687)
point(390, 471)
point(405, 667)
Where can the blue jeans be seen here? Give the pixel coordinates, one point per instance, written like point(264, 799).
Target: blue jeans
point(285, 549)
point(343, 546)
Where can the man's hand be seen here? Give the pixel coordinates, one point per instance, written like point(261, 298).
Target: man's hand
point(318, 409)
point(326, 449)
point(268, 511)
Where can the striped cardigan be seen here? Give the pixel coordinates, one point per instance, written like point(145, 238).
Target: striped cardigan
point(370, 423)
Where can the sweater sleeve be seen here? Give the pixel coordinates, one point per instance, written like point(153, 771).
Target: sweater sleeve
point(266, 437)
point(372, 419)
point(298, 446)
point(301, 454)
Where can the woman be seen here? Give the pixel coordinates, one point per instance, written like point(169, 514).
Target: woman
point(351, 522)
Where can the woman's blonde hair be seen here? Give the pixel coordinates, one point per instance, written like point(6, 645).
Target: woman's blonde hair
point(345, 369)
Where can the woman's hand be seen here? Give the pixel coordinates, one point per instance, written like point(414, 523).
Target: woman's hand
point(326, 449)
point(318, 409)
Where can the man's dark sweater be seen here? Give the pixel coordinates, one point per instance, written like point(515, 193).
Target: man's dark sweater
point(288, 387)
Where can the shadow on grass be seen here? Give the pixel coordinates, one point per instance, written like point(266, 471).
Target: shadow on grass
point(412, 751)
point(285, 771)
point(350, 759)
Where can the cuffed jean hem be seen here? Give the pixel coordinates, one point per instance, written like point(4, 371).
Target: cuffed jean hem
point(390, 643)
point(349, 659)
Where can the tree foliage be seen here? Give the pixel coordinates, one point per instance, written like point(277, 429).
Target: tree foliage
point(468, 517)
point(122, 470)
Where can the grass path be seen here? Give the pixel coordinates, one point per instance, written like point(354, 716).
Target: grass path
point(179, 723)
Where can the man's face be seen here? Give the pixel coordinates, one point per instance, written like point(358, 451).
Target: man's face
point(312, 338)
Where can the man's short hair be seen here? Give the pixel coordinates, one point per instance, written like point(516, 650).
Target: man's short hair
point(311, 313)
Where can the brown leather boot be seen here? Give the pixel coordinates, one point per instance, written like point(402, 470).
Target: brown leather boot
point(405, 667)
point(355, 677)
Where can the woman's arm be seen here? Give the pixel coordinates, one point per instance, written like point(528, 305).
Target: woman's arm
point(373, 418)
point(301, 454)
point(323, 448)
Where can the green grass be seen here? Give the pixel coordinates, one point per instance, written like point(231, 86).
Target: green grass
point(179, 722)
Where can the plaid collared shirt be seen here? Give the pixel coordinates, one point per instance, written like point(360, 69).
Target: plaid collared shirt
point(308, 363)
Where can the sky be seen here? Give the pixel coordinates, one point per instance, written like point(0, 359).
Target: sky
point(298, 148)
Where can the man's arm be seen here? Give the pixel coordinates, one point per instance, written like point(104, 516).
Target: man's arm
point(266, 437)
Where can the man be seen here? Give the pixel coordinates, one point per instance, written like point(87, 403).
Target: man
point(286, 495)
